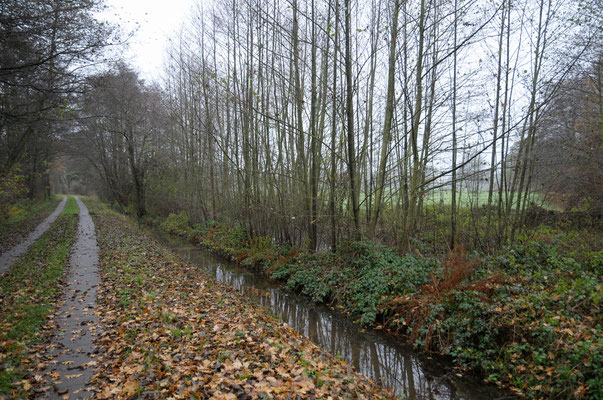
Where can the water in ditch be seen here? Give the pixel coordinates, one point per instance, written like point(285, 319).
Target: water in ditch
point(372, 353)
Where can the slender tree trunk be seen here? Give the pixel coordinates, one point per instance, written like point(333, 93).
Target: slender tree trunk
point(387, 125)
point(354, 190)
point(454, 138)
point(333, 177)
point(495, 129)
point(416, 173)
point(313, 217)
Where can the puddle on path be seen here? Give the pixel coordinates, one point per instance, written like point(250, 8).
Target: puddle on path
point(372, 353)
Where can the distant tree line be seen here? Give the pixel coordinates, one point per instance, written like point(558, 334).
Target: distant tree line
point(45, 49)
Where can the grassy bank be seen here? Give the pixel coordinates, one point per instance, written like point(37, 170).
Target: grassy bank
point(29, 292)
point(528, 318)
point(169, 331)
point(23, 218)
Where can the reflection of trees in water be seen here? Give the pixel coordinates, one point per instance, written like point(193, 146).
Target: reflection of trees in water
point(379, 361)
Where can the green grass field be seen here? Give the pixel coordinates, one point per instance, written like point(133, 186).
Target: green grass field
point(465, 199)
point(470, 199)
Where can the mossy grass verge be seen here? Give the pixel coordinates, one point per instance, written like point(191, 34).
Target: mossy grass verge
point(24, 217)
point(528, 318)
point(71, 207)
point(30, 209)
point(29, 292)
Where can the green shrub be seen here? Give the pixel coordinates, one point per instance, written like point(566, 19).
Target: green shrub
point(360, 277)
point(177, 224)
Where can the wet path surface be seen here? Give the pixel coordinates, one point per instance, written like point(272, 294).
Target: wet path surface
point(372, 353)
point(71, 355)
point(10, 257)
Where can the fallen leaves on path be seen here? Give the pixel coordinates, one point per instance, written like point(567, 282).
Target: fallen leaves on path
point(171, 331)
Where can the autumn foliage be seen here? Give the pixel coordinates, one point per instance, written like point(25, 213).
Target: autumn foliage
point(169, 331)
point(457, 268)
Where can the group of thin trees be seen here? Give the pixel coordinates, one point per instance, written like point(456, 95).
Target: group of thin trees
point(315, 122)
point(119, 123)
point(312, 122)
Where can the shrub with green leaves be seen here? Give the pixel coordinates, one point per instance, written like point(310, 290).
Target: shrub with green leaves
point(178, 224)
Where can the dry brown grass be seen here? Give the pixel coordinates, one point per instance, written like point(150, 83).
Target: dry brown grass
point(457, 269)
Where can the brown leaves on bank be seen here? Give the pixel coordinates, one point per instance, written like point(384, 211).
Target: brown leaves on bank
point(170, 331)
point(414, 309)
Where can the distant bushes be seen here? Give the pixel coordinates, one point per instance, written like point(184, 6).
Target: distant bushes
point(177, 224)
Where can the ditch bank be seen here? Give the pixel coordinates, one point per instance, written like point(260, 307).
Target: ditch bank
point(528, 319)
point(372, 353)
point(171, 331)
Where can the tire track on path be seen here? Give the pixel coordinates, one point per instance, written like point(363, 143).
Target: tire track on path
point(72, 351)
point(10, 257)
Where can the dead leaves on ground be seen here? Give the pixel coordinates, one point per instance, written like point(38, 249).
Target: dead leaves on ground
point(29, 291)
point(169, 331)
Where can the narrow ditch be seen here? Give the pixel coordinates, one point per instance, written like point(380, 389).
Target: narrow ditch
point(372, 353)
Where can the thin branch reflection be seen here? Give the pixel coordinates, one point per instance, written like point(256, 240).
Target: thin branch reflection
point(371, 353)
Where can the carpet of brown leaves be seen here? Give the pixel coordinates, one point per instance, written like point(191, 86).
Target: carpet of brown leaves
point(170, 331)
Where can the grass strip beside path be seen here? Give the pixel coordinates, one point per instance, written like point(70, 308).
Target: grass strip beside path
point(19, 226)
point(169, 330)
point(29, 292)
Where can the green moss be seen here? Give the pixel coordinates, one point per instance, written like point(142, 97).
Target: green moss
point(28, 209)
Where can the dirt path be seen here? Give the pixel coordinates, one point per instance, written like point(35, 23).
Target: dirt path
point(72, 351)
point(11, 256)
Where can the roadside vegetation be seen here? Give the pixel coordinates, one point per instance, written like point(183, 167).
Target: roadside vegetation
point(29, 292)
point(169, 330)
point(22, 217)
point(431, 168)
point(527, 317)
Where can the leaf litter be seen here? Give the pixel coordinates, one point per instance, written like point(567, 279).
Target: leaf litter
point(170, 331)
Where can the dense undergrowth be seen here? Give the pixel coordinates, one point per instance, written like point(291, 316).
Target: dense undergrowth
point(528, 318)
point(29, 292)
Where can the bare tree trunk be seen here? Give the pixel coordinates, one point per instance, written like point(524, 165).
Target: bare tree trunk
point(354, 191)
point(387, 125)
point(416, 172)
point(333, 176)
point(313, 216)
point(541, 42)
point(495, 129)
point(454, 138)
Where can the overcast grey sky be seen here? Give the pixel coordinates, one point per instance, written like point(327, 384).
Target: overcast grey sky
point(153, 21)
